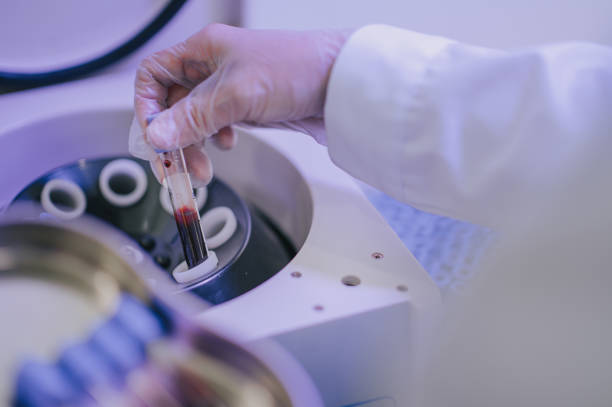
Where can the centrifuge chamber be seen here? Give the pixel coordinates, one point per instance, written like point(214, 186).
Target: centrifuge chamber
point(346, 306)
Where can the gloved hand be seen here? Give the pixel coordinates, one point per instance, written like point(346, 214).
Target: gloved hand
point(224, 75)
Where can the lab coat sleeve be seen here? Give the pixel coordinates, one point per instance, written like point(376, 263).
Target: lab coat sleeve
point(464, 131)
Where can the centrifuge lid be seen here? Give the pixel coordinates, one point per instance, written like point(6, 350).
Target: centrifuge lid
point(45, 42)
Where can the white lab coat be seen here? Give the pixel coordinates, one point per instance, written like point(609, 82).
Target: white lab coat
point(518, 140)
point(465, 131)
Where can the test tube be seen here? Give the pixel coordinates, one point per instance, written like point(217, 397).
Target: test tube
point(185, 207)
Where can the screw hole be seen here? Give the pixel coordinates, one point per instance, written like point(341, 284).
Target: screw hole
point(377, 255)
point(351, 281)
point(402, 288)
point(296, 274)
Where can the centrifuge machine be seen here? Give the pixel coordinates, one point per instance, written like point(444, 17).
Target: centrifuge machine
point(336, 287)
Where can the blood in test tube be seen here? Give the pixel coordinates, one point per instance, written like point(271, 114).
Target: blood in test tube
point(190, 231)
point(185, 208)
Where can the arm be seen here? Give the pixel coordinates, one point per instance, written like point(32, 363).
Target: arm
point(465, 131)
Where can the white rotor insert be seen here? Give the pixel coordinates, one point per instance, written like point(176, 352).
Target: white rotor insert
point(123, 168)
point(183, 274)
point(70, 190)
point(218, 225)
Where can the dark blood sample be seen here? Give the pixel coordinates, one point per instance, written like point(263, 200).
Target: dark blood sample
point(167, 163)
point(190, 231)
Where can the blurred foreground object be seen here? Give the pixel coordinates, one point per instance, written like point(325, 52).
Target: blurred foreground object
point(80, 327)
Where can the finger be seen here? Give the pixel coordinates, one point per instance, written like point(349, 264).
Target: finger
point(176, 93)
point(163, 70)
point(199, 165)
point(187, 64)
point(213, 104)
point(225, 139)
point(154, 76)
point(157, 169)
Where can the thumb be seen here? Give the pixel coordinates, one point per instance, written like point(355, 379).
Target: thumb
point(210, 106)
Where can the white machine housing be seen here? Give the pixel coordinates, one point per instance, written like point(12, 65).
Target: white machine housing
point(353, 340)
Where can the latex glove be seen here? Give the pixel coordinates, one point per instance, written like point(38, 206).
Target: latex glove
point(224, 75)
